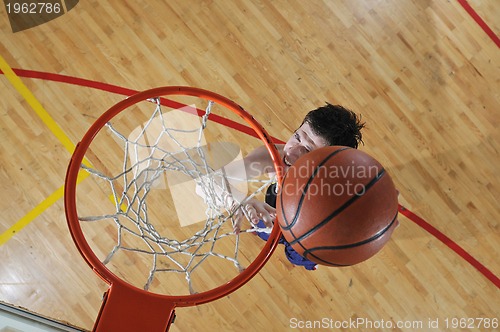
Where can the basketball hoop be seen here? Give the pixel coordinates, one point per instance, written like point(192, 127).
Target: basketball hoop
point(129, 188)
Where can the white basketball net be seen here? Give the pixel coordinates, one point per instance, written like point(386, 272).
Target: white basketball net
point(146, 159)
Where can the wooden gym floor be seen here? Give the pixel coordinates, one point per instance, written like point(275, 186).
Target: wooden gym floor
point(423, 74)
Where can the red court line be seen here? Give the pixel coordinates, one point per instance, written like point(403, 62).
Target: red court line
point(480, 21)
point(407, 213)
point(451, 244)
point(118, 90)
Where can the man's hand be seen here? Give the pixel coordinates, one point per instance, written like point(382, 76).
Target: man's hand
point(254, 211)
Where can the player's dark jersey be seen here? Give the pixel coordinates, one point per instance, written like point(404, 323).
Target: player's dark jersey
point(290, 253)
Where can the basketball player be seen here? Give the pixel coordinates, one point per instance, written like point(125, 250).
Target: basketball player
point(324, 126)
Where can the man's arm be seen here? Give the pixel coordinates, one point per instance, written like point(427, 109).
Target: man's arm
point(257, 163)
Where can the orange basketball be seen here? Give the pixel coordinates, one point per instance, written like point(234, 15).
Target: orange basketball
point(337, 206)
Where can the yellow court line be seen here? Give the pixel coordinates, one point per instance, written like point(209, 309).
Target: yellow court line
point(35, 105)
point(55, 129)
point(36, 211)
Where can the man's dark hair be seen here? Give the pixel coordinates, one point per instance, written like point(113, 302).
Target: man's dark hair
point(336, 124)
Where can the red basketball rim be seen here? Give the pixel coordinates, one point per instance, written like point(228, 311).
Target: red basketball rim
point(74, 223)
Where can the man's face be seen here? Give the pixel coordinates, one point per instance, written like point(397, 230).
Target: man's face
point(304, 140)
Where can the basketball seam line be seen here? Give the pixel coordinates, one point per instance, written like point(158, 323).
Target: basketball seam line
point(311, 178)
point(340, 209)
point(352, 245)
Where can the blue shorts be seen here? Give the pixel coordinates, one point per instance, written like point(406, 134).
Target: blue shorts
point(290, 253)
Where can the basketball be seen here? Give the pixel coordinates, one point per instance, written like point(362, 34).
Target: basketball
point(337, 206)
